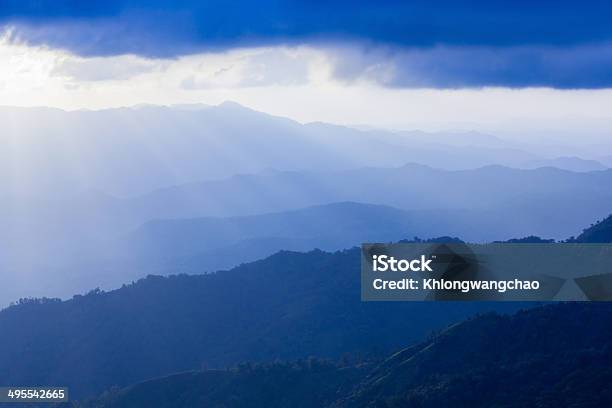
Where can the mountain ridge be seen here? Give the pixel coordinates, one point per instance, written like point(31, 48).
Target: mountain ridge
point(160, 325)
point(481, 362)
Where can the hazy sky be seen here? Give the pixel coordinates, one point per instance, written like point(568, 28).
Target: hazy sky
point(479, 65)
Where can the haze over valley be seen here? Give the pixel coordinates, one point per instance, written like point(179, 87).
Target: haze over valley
point(100, 198)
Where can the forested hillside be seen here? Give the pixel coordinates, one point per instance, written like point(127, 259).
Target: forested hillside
point(290, 305)
point(528, 359)
point(601, 231)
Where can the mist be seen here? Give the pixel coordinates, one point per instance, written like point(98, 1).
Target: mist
point(99, 198)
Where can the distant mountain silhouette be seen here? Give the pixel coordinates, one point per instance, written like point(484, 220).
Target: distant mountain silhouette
point(567, 163)
point(532, 239)
point(81, 180)
point(127, 151)
point(196, 245)
point(544, 201)
point(207, 244)
point(204, 244)
point(59, 214)
point(70, 245)
point(606, 160)
point(492, 360)
point(332, 226)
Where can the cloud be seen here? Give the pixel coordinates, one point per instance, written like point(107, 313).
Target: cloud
point(175, 27)
point(105, 69)
point(252, 67)
point(376, 85)
point(443, 44)
point(569, 67)
point(37, 76)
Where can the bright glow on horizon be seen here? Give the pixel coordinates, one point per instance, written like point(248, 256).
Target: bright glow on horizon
point(295, 82)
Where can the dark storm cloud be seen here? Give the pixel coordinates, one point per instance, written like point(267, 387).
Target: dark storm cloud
point(569, 67)
point(520, 43)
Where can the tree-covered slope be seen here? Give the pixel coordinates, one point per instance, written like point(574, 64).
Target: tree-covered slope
point(550, 356)
point(553, 356)
point(290, 305)
point(302, 384)
point(601, 231)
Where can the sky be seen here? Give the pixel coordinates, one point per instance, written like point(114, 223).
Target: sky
point(444, 64)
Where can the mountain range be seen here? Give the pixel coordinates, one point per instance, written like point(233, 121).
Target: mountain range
point(90, 197)
point(288, 306)
point(130, 151)
point(101, 241)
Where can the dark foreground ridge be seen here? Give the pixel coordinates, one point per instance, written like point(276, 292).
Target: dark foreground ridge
point(600, 231)
point(291, 305)
point(551, 356)
point(286, 307)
